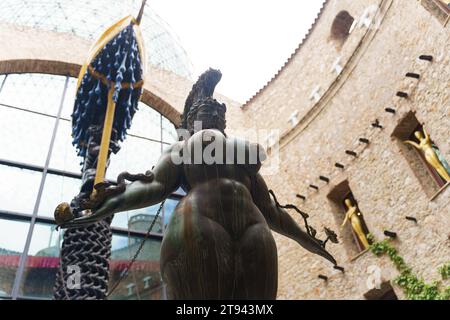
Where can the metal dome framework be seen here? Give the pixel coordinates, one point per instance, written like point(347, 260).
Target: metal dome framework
point(88, 19)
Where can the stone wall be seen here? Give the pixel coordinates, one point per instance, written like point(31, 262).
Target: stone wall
point(374, 59)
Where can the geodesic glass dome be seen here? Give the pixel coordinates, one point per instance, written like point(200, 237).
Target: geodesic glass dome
point(89, 18)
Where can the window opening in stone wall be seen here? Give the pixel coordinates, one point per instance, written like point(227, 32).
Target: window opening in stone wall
point(340, 29)
point(384, 292)
point(349, 217)
point(422, 154)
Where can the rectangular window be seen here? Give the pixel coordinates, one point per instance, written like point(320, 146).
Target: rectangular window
point(383, 292)
point(143, 281)
point(140, 220)
point(25, 136)
point(12, 241)
point(57, 189)
point(42, 262)
point(34, 92)
point(137, 155)
point(18, 189)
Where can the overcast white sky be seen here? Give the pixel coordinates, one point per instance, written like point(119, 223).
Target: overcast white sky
point(248, 40)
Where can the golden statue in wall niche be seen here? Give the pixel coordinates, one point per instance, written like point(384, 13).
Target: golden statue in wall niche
point(426, 147)
point(355, 216)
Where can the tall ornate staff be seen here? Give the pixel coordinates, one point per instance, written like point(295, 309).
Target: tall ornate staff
point(108, 91)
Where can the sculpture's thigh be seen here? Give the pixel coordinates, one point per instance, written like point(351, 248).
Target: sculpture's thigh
point(197, 259)
point(256, 264)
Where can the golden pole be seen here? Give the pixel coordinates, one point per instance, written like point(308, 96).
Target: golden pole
point(106, 137)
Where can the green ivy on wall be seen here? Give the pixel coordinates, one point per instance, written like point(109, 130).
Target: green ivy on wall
point(414, 288)
point(444, 270)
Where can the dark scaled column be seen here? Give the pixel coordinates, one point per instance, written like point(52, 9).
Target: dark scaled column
point(87, 249)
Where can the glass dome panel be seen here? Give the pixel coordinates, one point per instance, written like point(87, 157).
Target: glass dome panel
point(89, 19)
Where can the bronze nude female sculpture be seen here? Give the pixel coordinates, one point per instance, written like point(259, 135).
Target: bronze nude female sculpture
point(218, 243)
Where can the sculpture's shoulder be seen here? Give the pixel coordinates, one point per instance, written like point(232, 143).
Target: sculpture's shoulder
point(219, 148)
point(173, 152)
point(247, 154)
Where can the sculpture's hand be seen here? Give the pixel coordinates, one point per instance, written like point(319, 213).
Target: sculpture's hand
point(105, 190)
point(146, 190)
point(106, 209)
point(311, 244)
point(345, 221)
point(427, 137)
point(64, 213)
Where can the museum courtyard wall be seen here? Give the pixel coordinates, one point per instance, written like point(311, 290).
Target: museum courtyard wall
point(356, 81)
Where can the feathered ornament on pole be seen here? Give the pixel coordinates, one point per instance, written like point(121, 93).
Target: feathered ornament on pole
point(108, 91)
point(110, 84)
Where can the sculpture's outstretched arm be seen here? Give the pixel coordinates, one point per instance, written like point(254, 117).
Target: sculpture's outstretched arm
point(137, 194)
point(345, 219)
point(415, 145)
point(427, 137)
point(281, 222)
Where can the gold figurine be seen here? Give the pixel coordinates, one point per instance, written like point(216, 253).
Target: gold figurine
point(354, 215)
point(430, 155)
